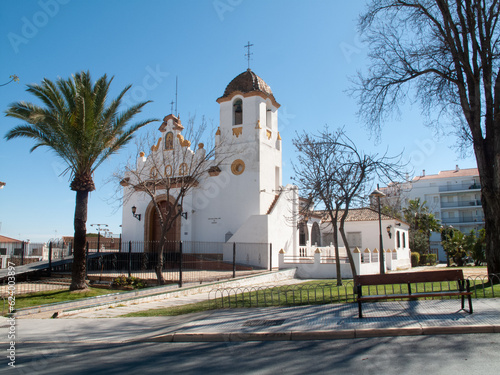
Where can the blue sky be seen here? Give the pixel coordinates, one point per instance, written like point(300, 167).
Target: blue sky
point(305, 50)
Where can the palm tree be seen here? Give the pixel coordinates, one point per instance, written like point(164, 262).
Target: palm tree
point(78, 124)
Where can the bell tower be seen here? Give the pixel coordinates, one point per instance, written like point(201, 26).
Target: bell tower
point(249, 133)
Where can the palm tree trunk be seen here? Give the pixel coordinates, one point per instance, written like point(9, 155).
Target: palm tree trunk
point(79, 261)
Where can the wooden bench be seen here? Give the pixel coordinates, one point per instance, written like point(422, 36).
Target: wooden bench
point(455, 277)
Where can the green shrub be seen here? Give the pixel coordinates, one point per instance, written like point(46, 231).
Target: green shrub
point(423, 260)
point(131, 282)
point(431, 259)
point(415, 259)
point(427, 259)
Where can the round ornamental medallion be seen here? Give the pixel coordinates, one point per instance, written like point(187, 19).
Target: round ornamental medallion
point(238, 167)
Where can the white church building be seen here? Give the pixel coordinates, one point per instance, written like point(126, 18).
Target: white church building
point(240, 199)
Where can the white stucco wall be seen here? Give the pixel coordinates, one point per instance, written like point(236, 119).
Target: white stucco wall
point(370, 233)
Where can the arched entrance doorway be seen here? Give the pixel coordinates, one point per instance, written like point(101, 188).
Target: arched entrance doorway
point(153, 228)
point(315, 235)
point(303, 234)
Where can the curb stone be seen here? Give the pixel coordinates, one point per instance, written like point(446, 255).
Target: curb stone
point(321, 335)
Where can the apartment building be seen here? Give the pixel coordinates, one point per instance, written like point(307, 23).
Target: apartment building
point(453, 196)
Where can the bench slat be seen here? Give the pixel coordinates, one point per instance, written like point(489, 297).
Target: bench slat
point(414, 295)
point(410, 277)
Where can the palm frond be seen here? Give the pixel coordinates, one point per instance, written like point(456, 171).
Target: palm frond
point(76, 121)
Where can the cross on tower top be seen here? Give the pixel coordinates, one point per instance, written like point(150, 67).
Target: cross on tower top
point(248, 54)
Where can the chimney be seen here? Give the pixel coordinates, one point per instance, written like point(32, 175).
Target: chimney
point(456, 168)
point(423, 173)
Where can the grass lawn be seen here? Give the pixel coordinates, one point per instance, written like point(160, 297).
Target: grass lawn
point(173, 311)
point(308, 293)
point(54, 296)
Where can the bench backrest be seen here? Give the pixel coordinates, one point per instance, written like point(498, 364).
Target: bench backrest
point(410, 277)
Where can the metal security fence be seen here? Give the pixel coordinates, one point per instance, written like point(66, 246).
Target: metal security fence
point(287, 295)
point(182, 261)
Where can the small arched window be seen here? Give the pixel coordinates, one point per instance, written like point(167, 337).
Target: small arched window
point(169, 141)
point(237, 112)
point(315, 235)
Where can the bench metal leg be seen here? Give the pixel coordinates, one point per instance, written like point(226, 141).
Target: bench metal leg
point(464, 286)
point(360, 309)
point(469, 297)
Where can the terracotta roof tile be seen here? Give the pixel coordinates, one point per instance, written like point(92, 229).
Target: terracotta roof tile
point(247, 81)
point(4, 239)
point(360, 214)
point(450, 174)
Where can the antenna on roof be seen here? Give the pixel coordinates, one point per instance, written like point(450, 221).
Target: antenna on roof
point(248, 54)
point(176, 113)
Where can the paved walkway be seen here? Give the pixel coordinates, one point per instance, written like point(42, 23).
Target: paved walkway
point(334, 321)
point(119, 310)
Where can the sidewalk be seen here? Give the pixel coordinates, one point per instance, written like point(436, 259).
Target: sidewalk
point(333, 321)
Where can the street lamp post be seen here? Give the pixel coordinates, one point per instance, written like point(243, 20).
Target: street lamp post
point(378, 194)
point(99, 229)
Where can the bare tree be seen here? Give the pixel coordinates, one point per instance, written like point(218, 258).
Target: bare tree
point(171, 172)
point(336, 175)
point(445, 54)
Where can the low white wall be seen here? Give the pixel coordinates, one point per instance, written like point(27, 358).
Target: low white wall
point(253, 254)
point(366, 262)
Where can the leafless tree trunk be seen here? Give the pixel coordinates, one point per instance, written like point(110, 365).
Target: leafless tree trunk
point(448, 52)
point(170, 173)
point(335, 174)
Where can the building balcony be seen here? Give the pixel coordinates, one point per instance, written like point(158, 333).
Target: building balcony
point(460, 187)
point(463, 220)
point(463, 204)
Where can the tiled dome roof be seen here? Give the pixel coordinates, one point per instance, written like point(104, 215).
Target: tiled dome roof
point(247, 82)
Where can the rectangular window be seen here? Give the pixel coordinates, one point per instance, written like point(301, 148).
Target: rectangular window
point(398, 238)
point(354, 239)
point(404, 240)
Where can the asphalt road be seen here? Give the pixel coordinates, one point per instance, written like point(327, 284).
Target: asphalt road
point(447, 354)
